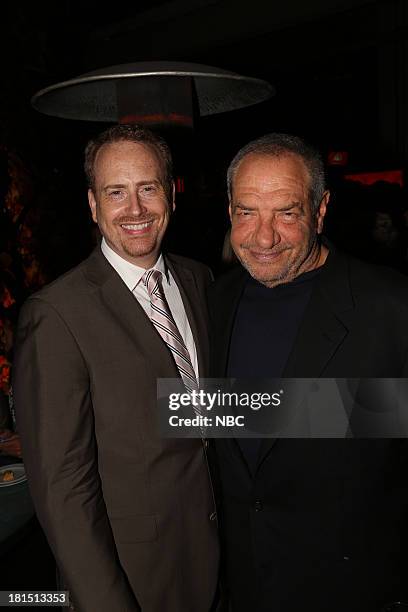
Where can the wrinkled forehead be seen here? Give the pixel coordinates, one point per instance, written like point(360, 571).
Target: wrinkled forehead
point(266, 173)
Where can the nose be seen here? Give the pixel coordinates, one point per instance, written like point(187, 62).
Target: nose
point(135, 205)
point(267, 235)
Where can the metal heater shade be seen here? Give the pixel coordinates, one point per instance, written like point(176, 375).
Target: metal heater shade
point(93, 96)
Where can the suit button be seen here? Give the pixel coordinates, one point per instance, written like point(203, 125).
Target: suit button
point(213, 516)
point(258, 505)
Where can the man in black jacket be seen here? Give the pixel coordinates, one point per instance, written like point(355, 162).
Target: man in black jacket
point(308, 524)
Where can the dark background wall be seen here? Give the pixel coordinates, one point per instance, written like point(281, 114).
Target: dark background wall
point(339, 68)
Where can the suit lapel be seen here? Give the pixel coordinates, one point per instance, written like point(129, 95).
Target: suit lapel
point(320, 334)
point(194, 306)
point(323, 329)
point(225, 307)
point(128, 313)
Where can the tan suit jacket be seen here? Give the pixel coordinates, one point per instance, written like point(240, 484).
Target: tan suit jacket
point(128, 514)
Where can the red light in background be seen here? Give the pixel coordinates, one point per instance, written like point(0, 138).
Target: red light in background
point(369, 178)
point(179, 184)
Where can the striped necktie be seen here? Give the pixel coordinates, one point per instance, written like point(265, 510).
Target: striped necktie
point(164, 323)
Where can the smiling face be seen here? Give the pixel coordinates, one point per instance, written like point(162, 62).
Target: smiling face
point(274, 231)
point(129, 201)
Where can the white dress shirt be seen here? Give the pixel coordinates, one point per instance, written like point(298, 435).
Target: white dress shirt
point(132, 276)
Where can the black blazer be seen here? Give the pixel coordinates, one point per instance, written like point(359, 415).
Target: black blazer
point(323, 524)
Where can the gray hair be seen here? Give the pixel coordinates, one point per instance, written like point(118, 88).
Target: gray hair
point(130, 132)
point(279, 145)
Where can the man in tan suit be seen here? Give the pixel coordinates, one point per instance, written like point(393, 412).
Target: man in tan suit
point(129, 515)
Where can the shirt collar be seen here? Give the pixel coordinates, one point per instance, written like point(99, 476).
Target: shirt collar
point(130, 273)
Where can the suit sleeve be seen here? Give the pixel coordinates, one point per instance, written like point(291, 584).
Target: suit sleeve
point(55, 419)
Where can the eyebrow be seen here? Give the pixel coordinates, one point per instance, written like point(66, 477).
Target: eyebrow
point(242, 207)
point(280, 209)
point(138, 184)
point(290, 206)
point(118, 186)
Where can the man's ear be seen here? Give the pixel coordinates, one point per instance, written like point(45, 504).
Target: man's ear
point(92, 205)
point(230, 211)
point(321, 212)
point(173, 196)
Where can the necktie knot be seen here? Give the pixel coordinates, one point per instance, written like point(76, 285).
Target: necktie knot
point(152, 281)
